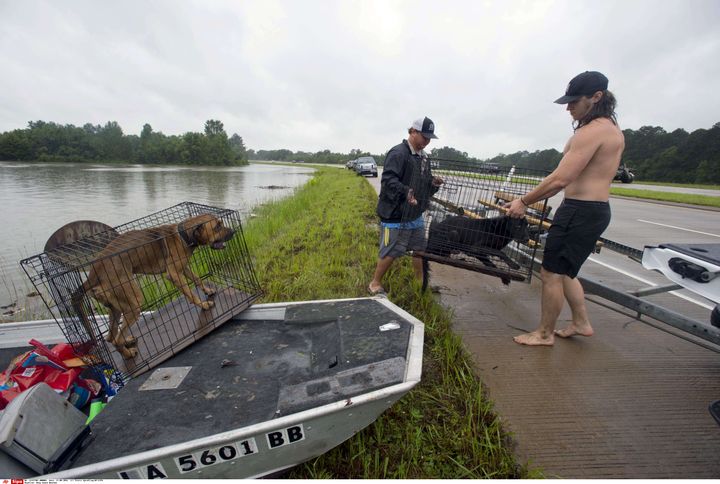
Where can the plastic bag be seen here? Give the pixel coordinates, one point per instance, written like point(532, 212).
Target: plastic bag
point(44, 365)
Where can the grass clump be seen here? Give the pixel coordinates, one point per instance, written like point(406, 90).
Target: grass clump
point(322, 243)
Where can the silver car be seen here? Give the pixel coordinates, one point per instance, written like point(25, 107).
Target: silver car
point(366, 166)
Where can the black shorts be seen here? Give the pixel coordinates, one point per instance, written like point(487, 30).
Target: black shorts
point(576, 227)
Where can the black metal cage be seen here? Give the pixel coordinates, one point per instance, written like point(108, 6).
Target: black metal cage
point(465, 221)
point(129, 298)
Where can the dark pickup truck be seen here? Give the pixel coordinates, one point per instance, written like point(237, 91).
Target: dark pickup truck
point(624, 174)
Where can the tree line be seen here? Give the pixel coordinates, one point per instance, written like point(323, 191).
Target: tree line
point(325, 156)
point(48, 141)
point(651, 153)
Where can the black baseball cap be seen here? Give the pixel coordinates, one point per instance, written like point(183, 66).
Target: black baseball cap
point(425, 126)
point(585, 84)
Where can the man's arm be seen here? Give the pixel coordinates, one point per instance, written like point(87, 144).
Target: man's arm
point(393, 169)
point(579, 151)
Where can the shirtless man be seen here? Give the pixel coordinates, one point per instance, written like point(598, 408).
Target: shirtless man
point(590, 160)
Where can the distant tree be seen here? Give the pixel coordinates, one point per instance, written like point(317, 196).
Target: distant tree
point(708, 172)
point(275, 155)
point(194, 150)
point(213, 127)
point(15, 145)
point(238, 148)
point(448, 153)
point(113, 145)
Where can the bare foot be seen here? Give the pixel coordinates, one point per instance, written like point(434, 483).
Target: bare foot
point(572, 330)
point(534, 339)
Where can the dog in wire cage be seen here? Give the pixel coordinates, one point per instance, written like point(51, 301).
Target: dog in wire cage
point(165, 250)
point(481, 238)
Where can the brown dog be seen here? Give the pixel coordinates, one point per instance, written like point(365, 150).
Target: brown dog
point(161, 250)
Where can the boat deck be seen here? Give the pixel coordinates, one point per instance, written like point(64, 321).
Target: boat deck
point(253, 371)
point(263, 365)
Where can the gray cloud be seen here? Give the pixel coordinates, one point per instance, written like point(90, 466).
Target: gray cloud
point(340, 75)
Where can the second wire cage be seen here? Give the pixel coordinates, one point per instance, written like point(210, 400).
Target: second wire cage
point(465, 222)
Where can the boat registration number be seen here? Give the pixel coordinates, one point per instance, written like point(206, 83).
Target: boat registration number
point(217, 455)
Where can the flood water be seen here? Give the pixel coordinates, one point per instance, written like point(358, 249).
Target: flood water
point(38, 198)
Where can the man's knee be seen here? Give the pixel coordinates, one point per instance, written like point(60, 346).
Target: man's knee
point(551, 278)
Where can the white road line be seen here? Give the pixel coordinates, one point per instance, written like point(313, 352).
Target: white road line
point(645, 281)
point(679, 228)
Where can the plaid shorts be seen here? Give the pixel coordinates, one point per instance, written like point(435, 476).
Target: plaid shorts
point(395, 242)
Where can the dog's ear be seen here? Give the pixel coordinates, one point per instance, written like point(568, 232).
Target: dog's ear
point(193, 228)
point(197, 233)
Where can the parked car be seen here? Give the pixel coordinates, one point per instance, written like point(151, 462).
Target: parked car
point(366, 165)
point(491, 168)
point(624, 174)
point(350, 165)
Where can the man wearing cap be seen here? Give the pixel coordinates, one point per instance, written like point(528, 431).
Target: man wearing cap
point(406, 186)
point(589, 163)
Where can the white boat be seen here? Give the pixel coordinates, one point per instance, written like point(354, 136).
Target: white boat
point(695, 267)
point(275, 386)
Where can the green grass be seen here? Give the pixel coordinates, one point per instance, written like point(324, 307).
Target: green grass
point(705, 200)
point(322, 243)
point(683, 185)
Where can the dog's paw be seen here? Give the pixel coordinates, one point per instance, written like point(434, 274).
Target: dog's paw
point(205, 305)
point(209, 291)
point(128, 353)
point(126, 342)
point(131, 342)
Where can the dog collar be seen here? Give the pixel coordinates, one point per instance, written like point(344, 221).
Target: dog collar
point(189, 241)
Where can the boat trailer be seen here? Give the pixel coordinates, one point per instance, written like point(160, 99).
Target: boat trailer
point(679, 263)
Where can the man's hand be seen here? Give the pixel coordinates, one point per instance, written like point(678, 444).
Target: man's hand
point(516, 209)
point(411, 197)
point(437, 181)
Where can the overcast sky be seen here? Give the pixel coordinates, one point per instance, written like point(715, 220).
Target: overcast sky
point(313, 75)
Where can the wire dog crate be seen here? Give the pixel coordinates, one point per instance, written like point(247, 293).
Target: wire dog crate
point(465, 221)
point(153, 286)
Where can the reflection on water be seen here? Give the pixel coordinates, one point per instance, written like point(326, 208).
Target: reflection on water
point(38, 198)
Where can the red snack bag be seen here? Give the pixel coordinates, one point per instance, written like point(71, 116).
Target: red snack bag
point(44, 365)
point(64, 351)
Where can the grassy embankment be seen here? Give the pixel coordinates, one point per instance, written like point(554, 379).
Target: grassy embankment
point(322, 243)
